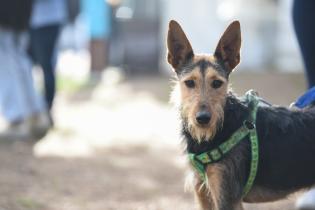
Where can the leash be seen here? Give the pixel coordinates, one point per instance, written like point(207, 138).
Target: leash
point(200, 161)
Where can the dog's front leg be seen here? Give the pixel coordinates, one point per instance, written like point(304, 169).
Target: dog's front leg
point(219, 191)
point(239, 206)
point(203, 196)
point(208, 200)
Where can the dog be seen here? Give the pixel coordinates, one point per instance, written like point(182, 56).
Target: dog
point(210, 113)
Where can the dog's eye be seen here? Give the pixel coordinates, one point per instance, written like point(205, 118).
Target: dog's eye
point(190, 83)
point(216, 83)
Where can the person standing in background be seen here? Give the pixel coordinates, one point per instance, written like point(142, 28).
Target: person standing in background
point(303, 21)
point(20, 105)
point(48, 16)
point(97, 15)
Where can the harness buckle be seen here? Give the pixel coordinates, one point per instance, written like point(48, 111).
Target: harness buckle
point(216, 154)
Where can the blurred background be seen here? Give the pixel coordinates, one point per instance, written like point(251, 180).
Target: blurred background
point(85, 116)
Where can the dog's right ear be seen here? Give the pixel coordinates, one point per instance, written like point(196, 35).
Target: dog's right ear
point(179, 48)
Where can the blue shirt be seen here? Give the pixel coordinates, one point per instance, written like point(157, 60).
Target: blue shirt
point(48, 12)
point(97, 15)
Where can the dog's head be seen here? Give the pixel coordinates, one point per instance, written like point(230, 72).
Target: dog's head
point(203, 79)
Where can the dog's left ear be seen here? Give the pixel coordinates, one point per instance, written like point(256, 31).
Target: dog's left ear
point(228, 48)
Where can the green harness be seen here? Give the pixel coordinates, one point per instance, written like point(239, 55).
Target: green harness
point(200, 161)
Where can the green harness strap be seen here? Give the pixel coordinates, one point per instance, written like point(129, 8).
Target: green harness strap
point(200, 161)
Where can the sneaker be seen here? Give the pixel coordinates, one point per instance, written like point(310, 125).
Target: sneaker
point(306, 201)
point(17, 131)
point(40, 125)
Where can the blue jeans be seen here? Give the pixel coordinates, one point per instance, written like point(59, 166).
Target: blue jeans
point(18, 98)
point(303, 20)
point(42, 48)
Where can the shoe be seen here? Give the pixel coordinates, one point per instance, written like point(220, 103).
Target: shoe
point(306, 201)
point(40, 125)
point(17, 131)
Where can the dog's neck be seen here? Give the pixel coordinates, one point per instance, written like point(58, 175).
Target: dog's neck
point(234, 114)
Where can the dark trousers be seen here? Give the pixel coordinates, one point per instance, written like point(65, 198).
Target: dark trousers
point(304, 25)
point(42, 47)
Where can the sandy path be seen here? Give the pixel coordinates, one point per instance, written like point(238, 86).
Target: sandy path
point(115, 148)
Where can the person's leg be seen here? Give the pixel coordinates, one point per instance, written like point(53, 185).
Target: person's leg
point(44, 41)
point(97, 16)
point(38, 119)
point(11, 99)
point(303, 20)
point(18, 99)
point(34, 102)
point(10, 103)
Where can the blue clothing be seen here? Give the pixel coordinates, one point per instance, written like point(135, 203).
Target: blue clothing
point(47, 18)
point(97, 15)
point(43, 41)
point(48, 12)
point(18, 97)
point(306, 99)
point(303, 22)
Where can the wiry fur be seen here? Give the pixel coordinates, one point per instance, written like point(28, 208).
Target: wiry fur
point(191, 103)
point(286, 136)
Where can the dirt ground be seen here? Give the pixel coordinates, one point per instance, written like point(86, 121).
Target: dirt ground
point(117, 147)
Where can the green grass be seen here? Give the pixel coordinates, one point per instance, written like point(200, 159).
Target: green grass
point(69, 85)
point(29, 204)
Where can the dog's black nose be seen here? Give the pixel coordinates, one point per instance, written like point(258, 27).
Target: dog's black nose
point(203, 117)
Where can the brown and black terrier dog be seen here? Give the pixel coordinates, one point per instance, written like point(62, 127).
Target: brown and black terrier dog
point(210, 114)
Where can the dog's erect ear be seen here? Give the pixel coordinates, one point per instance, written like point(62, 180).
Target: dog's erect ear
point(228, 48)
point(179, 48)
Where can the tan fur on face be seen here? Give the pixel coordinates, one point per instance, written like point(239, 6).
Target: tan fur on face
point(203, 93)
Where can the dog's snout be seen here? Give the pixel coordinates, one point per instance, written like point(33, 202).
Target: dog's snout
point(203, 117)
